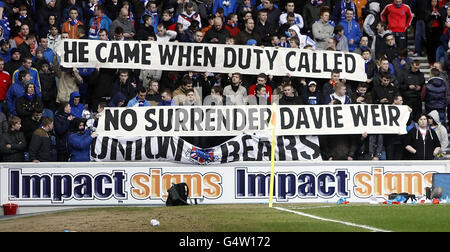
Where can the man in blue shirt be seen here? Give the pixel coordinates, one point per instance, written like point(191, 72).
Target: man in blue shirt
point(26, 65)
point(139, 100)
point(351, 30)
point(48, 53)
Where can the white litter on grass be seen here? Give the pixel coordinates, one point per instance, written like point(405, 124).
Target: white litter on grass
point(154, 223)
point(373, 229)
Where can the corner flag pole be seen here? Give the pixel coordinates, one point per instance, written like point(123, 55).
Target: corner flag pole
point(273, 121)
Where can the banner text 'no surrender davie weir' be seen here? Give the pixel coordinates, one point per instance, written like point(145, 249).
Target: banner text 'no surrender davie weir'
point(236, 120)
point(216, 58)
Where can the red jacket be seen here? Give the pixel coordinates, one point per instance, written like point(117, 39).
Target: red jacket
point(251, 91)
point(397, 18)
point(232, 30)
point(5, 83)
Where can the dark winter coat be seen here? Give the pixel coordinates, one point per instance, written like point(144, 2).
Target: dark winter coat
point(424, 148)
point(29, 126)
point(434, 94)
point(410, 78)
point(18, 146)
point(312, 98)
point(62, 125)
point(40, 146)
point(338, 147)
point(126, 88)
point(25, 105)
point(291, 100)
point(221, 35)
point(48, 86)
point(379, 92)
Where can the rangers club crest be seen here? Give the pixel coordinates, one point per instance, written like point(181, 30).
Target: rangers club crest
point(201, 156)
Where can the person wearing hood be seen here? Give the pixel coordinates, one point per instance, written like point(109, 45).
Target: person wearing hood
point(441, 132)
point(118, 100)
point(12, 143)
point(371, 20)
point(76, 107)
point(304, 40)
point(26, 104)
point(80, 141)
point(421, 142)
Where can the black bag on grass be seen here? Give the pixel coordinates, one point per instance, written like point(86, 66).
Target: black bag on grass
point(178, 194)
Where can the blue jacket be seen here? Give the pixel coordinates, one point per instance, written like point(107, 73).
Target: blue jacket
point(34, 79)
point(105, 23)
point(6, 56)
point(76, 110)
point(79, 144)
point(352, 31)
point(48, 55)
point(15, 91)
point(436, 93)
point(135, 103)
point(167, 103)
point(4, 23)
point(231, 8)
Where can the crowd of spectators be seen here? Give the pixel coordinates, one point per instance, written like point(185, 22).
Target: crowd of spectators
point(48, 111)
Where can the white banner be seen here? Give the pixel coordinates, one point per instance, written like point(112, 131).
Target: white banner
point(131, 183)
point(240, 148)
point(216, 58)
point(236, 120)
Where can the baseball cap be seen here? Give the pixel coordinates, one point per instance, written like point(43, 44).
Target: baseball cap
point(312, 83)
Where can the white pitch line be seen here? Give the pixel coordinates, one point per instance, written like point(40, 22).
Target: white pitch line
point(306, 208)
point(331, 220)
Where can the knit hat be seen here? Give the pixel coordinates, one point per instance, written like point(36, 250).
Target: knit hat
point(40, 49)
point(14, 50)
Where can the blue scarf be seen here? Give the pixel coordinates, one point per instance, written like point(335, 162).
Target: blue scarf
point(344, 8)
point(30, 96)
point(73, 22)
